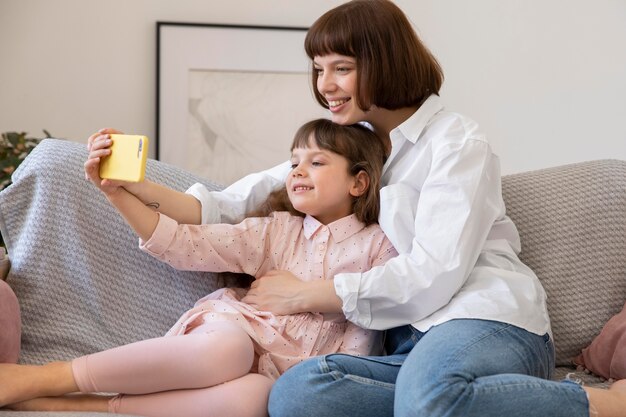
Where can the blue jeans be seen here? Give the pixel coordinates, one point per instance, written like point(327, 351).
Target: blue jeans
point(460, 368)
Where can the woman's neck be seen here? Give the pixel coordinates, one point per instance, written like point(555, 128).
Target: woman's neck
point(384, 121)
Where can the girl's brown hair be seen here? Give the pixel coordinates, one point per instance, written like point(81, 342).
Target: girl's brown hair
point(364, 151)
point(395, 69)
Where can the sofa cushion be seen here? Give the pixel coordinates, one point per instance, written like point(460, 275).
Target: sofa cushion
point(10, 324)
point(572, 225)
point(606, 356)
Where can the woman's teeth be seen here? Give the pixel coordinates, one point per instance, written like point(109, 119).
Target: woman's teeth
point(336, 103)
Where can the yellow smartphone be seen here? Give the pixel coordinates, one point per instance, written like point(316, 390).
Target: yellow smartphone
point(127, 161)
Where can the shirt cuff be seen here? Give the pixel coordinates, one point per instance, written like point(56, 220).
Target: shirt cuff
point(162, 236)
point(347, 288)
point(203, 195)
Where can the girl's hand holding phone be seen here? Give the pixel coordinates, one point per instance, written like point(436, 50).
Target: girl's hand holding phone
point(98, 146)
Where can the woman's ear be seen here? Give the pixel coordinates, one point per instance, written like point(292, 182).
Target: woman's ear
point(360, 185)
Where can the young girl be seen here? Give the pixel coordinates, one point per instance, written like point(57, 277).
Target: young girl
point(221, 356)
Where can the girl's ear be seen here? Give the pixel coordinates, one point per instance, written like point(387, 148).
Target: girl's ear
point(360, 185)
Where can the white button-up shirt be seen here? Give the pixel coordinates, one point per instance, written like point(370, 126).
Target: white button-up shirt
point(442, 208)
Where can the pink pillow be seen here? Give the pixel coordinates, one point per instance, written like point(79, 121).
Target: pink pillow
point(606, 355)
point(10, 323)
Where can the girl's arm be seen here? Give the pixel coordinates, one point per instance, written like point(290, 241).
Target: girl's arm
point(182, 207)
point(140, 217)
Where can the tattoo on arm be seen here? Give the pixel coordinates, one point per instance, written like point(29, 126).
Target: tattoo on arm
point(154, 205)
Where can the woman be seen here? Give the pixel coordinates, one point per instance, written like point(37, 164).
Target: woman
point(469, 326)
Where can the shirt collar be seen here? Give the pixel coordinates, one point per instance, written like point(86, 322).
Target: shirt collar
point(340, 229)
point(412, 128)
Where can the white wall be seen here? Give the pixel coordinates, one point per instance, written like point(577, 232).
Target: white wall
point(545, 79)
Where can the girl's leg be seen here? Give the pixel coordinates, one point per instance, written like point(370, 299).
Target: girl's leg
point(21, 382)
point(71, 402)
point(484, 368)
point(212, 354)
point(242, 397)
point(220, 353)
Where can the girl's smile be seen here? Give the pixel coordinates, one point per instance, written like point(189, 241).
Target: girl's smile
point(319, 184)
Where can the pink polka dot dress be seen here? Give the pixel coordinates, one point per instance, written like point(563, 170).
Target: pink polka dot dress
point(303, 246)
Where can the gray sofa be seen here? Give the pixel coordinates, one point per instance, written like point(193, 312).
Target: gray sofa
point(83, 285)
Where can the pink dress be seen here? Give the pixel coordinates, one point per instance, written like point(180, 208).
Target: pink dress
point(303, 246)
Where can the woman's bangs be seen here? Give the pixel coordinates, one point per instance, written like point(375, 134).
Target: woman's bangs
point(329, 37)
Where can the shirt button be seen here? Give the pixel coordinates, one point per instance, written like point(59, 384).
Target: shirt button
point(321, 246)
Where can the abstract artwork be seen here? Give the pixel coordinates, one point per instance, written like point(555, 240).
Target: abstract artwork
point(231, 97)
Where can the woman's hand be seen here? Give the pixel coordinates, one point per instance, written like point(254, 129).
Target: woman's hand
point(281, 292)
point(276, 291)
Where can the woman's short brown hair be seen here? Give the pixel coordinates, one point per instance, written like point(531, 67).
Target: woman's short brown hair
point(394, 68)
point(364, 151)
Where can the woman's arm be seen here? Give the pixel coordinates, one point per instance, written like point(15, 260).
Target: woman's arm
point(453, 212)
point(282, 293)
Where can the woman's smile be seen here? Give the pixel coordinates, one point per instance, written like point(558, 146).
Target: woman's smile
point(334, 105)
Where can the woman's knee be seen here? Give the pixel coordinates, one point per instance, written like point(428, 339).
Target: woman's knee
point(334, 385)
point(445, 397)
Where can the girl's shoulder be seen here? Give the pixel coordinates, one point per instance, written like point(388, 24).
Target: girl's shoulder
point(375, 231)
point(380, 243)
point(284, 217)
point(275, 223)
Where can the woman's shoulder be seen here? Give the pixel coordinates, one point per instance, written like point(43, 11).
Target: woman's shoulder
point(452, 126)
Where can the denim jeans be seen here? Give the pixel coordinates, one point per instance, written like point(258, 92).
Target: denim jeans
point(460, 368)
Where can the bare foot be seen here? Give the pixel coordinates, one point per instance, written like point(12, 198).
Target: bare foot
point(79, 402)
point(24, 382)
point(608, 403)
point(619, 386)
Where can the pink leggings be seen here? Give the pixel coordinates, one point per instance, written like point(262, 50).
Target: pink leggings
point(203, 373)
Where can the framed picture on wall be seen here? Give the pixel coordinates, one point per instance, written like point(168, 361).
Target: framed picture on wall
point(230, 97)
